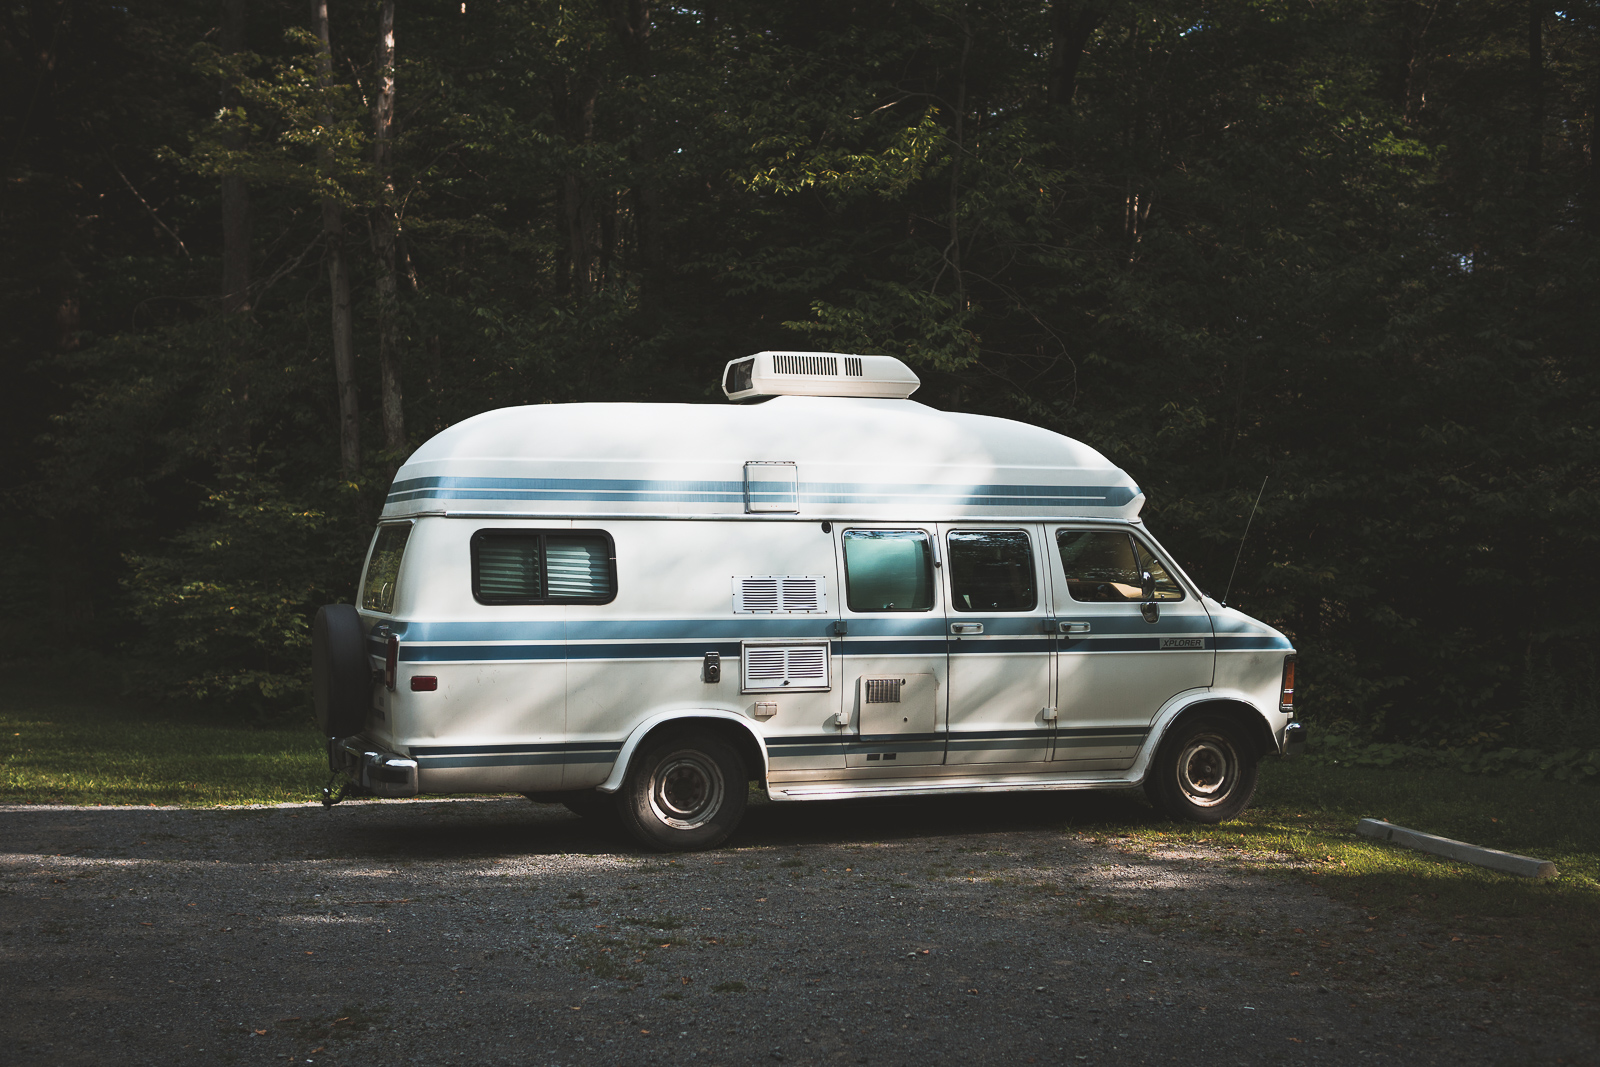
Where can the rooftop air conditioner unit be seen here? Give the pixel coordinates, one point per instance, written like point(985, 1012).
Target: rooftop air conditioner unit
point(818, 374)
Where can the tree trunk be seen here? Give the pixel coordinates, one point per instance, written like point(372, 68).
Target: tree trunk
point(235, 436)
point(1070, 27)
point(235, 194)
point(385, 229)
point(344, 354)
point(1594, 152)
point(1412, 70)
point(575, 94)
point(952, 253)
point(1535, 86)
point(631, 20)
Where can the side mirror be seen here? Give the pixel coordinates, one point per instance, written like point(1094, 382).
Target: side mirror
point(1147, 585)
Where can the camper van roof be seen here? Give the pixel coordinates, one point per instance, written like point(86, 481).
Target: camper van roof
point(810, 457)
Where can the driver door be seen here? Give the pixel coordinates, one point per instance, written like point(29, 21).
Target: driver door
point(1120, 655)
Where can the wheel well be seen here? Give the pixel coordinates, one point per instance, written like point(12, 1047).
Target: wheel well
point(1248, 718)
point(742, 740)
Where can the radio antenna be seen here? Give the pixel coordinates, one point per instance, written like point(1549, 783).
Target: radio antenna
point(1240, 553)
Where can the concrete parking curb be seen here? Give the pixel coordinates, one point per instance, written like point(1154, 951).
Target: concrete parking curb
point(1509, 862)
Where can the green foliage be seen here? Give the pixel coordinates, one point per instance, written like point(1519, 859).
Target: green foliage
point(287, 129)
point(1533, 764)
point(226, 607)
point(1330, 245)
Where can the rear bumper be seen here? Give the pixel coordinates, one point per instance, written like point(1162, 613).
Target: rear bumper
point(1294, 739)
point(371, 769)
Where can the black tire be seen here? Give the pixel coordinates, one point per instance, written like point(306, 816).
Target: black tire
point(1204, 771)
point(685, 791)
point(341, 679)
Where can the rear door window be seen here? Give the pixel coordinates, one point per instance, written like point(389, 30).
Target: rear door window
point(543, 567)
point(992, 570)
point(888, 570)
point(383, 567)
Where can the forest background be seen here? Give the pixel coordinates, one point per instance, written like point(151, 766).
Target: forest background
point(257, 251)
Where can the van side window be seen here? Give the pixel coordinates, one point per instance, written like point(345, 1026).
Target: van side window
point(543, 567)
point(888, 570)
point(383, 568)
point(992, 570)
point(1103, 566)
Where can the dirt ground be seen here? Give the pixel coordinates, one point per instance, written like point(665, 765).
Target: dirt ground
point(984, 930)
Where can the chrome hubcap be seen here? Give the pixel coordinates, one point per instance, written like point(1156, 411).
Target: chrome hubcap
point(686, 790)
point(1207, 770)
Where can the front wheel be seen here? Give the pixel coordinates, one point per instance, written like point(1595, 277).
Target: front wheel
point(1205, 770)
point(686, 791)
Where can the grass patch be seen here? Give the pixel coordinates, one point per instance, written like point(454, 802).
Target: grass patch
point(66, 750)
point(1541, 933)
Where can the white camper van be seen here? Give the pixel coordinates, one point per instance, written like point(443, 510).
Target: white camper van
point(824, 588)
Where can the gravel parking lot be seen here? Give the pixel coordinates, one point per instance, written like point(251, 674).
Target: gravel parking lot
point(495, 931)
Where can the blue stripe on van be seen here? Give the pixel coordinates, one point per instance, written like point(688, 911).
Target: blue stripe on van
point(1238, 643)
point(634, 490)
point(464, 653)
point(527, 755)
point(601, 752)
point(922, 635)
point(758, 627)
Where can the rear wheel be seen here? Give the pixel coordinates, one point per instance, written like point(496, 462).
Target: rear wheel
point(685, 791)
point(1205, 770)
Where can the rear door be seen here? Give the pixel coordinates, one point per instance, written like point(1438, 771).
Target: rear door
point(1000, 645)
point(1120, 656)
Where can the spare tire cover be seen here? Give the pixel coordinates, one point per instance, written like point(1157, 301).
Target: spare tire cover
point(340, 676)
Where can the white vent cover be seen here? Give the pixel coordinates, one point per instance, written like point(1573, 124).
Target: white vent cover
point(818, 374)
point(783, 667)
point(780, 594)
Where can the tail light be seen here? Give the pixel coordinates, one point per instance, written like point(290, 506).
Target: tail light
point(1286, 693)
point(391, 661)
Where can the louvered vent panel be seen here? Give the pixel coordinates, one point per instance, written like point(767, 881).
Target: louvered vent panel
point(852, 367)
point(779, 594)
point(765, 666)
point(785, 667)
point(808, 665)
point(794, 363)
point(884, 690)
point(802, 594)
point(755, 595)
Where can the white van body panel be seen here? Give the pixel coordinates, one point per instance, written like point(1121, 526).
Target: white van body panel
point(695, 500)
point(856, 459)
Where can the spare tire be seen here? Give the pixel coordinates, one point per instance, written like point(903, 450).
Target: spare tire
point(341, 679)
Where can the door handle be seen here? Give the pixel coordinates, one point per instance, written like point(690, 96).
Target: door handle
point(1073, 627)
point(966, 627)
